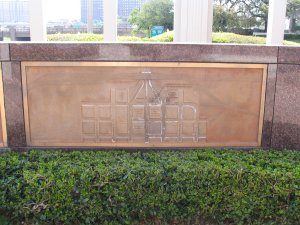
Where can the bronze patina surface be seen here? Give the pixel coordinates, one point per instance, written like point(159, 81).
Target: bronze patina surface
point(134, 104)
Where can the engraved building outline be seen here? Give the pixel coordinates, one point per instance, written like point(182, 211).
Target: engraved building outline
point(152, 115)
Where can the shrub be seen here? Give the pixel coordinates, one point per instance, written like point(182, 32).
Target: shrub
point(165, 37)
point(215, 187)
point(130, 39)
point(292, 38)
point(236, 38)
point(75, 37)
point(286, 36)
point(218, 37)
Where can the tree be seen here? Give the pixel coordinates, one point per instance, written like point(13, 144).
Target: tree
point(247, 13)
point(257, 9)
point(227, 4)
point(293, 13)
point(229, 15)
point(153, 13)
point(224, 19)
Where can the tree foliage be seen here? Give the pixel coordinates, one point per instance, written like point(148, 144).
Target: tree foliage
point(246, 13)
point(153, 13)
point(228, 4)
point(224, 19)
point(257, 9)
point(229, 15)
point(293, 12)
point(227, 19)
point(250, 13)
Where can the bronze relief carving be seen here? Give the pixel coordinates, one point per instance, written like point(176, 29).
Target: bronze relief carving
point(143, 104)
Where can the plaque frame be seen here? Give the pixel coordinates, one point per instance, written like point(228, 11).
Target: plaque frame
point(2, 110)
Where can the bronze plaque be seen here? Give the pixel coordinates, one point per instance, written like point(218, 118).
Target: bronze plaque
point(3, 132)
point(143, 104)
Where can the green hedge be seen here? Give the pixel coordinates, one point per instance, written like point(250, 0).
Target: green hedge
point(287, 36)
point(75, 37)
point(196, 187)
point(217, 37)
point(237, 38)
point(166, 37)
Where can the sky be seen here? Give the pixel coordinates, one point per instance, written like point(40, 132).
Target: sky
point(62, 9)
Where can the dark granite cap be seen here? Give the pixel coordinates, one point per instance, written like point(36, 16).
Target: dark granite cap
point(156, 52)
point(4, 52)
point(290, 55)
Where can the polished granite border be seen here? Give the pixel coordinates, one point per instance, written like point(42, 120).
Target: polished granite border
point(269, 105)
point(13, 102)
point(286, 125)
point(143, 52)
point(4, 52)
point(281, 130)
point(289, 55)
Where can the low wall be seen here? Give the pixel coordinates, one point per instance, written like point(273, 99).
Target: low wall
point(149, 95)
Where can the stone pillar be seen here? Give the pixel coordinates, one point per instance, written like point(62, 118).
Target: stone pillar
point(38, 29)
point(276, 22)
point(193, 21)
point(90, 16)
point(110, 20)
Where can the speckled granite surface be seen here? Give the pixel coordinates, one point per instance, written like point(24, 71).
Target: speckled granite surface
point(289, 55)
point(11, 72)
point(4, 52)
point(282, 106)
point(144, 52)
point(269, 105)
point(286, 127)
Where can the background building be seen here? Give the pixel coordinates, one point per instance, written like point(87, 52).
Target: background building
point(124, 8)
point(97, 10)
point(16, 11)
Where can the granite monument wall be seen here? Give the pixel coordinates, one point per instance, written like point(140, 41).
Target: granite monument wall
point(280, 124)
